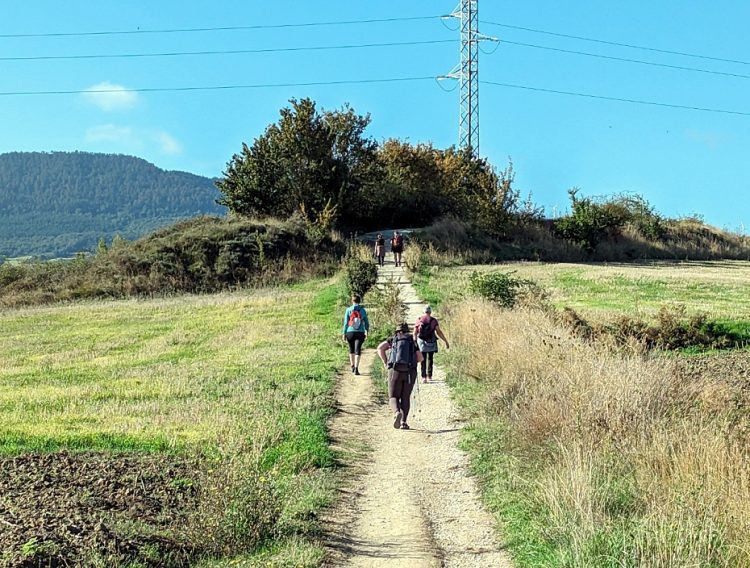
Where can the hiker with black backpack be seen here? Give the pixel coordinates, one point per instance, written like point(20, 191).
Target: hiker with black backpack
point(426, 333)
point(356, 326)
point(401, 364)
point(397, 247)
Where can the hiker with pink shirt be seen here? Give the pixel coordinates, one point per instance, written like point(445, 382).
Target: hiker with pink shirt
point(426, 333)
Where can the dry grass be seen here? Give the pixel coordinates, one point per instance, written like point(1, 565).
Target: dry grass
point(629, 469)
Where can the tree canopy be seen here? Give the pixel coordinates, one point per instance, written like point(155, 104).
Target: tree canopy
point(311, 160)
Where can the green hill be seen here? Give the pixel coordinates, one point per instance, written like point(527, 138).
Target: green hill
point(55, 204)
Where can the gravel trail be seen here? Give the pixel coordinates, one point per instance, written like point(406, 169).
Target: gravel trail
point(408, 499)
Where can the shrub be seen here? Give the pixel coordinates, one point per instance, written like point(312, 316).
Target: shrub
point(361, 271)
point(388, 311)
point(501, 288)
point(589, 222)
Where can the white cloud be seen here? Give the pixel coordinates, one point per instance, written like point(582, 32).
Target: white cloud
point(110, 133)
point(109, 96)
point(169, 144)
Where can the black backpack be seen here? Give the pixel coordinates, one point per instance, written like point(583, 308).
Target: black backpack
point(403, 355)
point(427, 330)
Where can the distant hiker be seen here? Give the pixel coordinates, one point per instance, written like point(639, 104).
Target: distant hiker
point(356, 326)
point(397, 247)
point(380, 249)
point(426, 333)
point(402, 372)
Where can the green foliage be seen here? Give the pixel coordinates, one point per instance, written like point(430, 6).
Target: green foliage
point(672, 330)
point(388, 310)
point(590, 221)
point(361, 273)
point(321, 163)
point(59, 203)
point(501, 288)
point(309, 159)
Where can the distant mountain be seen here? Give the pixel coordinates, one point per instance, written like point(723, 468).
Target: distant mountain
point(55, 204)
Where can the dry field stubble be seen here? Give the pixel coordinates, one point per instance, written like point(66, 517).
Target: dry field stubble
point(615, 452)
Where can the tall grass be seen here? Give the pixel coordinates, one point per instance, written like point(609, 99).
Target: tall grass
point(600, 458)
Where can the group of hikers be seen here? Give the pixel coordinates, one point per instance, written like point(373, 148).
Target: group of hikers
point(404, 354)
point(397, 248)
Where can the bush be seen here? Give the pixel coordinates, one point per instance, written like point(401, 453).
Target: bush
point(389, 309)
point(672, 330)
point(502, 288)
point(361, 271)
point(589, 222)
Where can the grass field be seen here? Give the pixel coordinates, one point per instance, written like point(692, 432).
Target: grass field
point(591, 457)
point(246, 377)
point(720, 288)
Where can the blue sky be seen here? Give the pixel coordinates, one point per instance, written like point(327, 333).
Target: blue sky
point(684, 162)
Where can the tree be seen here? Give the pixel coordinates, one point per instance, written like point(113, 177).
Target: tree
point(307, 159)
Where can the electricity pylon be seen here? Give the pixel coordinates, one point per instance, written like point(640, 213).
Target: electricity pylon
point(467, 73)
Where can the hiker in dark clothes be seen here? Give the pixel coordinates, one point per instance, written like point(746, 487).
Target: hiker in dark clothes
point(401, 363)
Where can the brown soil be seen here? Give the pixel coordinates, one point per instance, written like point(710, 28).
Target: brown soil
point(73, 509)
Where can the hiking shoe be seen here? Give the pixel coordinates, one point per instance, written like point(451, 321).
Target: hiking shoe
point(397, 420)
point(405, 426)
point(352, 368)
point(356, 370)
point(424, 379)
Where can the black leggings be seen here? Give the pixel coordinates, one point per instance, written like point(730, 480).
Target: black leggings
point(355, 339)
point(427, 363)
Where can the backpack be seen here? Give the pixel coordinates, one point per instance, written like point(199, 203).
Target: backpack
point(398, 241)
point(403, 357)
point(427, 330)
point(355, 320)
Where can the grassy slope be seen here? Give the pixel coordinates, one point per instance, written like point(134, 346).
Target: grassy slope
point(183, 373)
point(510, 473)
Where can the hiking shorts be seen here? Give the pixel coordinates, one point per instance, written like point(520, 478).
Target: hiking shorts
point(355, 340)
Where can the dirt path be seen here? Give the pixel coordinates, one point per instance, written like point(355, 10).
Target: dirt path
point(408, 498)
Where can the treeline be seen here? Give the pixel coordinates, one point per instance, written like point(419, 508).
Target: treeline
point(60, 203)
point(321, 165)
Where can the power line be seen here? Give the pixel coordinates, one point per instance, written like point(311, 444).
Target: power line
point(222, 28)
point(618, 99)
point(627, 60)
point(225, 52)
point(619, 44)
point(218, 87)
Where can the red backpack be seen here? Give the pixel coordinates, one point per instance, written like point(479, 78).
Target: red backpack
point(355, 319)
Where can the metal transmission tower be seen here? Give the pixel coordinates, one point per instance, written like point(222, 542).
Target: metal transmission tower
point(467, 73)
